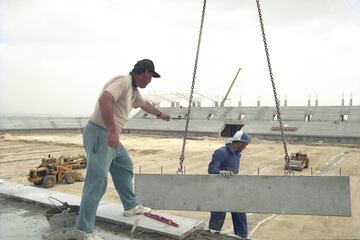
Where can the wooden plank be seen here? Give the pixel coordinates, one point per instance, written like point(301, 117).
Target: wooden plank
point(303, 195)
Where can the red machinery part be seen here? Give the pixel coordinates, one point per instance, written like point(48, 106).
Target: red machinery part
point(162, 219)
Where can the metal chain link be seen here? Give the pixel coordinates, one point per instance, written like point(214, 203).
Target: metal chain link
point(287, 158)
point(182, 156)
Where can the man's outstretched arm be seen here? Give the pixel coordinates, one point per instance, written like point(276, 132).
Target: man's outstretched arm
point(149, 108)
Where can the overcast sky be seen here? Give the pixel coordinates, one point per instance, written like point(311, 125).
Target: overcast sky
point(56, 55)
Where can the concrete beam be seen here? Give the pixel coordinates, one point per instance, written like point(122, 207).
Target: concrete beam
point(303, 195)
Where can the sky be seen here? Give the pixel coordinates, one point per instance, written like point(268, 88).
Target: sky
point(55, 56)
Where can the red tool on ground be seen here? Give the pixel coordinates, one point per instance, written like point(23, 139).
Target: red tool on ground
point(162, 219)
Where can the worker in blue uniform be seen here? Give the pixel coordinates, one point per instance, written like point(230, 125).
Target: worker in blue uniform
point(226, 162)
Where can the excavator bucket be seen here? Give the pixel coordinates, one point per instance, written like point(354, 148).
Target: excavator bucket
point(295, 165)
point(298, 161)
point(302, 195)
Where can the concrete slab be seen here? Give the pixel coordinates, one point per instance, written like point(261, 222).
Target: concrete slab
point(37, 194)
point(107, 211)
point(303, 195)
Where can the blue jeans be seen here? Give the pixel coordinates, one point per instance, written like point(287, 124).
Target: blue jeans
point(101, 160)
point(239, 222)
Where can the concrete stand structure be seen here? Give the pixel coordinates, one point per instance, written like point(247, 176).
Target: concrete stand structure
point(304, 195)
point(330, 124)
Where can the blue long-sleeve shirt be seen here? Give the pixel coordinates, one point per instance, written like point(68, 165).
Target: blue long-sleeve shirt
point(224, 158)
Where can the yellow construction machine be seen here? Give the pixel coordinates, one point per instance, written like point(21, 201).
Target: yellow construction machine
point(55, 170)
point(298, 161)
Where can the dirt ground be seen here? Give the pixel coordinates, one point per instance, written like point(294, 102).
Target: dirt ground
point(18, 153)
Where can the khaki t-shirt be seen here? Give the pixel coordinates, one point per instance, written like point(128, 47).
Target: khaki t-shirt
point(125, 97)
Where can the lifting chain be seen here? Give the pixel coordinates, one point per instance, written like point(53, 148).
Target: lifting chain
point(287, 159)
point(187, 116)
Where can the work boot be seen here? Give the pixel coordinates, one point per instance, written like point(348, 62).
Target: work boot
point(138, 210)
point(246, 238)
point(92, 236)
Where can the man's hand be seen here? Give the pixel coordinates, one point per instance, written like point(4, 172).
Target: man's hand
point(149, 108)
point(113, 138)
point(164, 116)
point(226, 173)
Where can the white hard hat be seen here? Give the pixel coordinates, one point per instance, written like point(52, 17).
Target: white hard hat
point(239, 136)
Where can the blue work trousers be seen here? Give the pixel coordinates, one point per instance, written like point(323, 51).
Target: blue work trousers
point(239, 222)
point(101, 160)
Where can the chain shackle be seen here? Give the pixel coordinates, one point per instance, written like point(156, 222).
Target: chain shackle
point(286, 157)
point(187, 116)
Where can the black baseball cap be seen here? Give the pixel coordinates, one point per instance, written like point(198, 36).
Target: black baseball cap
point(146, 64)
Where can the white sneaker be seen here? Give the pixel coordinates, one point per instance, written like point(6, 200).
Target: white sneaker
point(138, 210)
point(92, 236)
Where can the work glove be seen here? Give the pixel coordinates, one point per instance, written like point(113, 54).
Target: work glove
point(226, 173)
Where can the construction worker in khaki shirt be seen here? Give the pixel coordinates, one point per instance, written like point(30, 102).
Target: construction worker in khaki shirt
point(104, 150)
